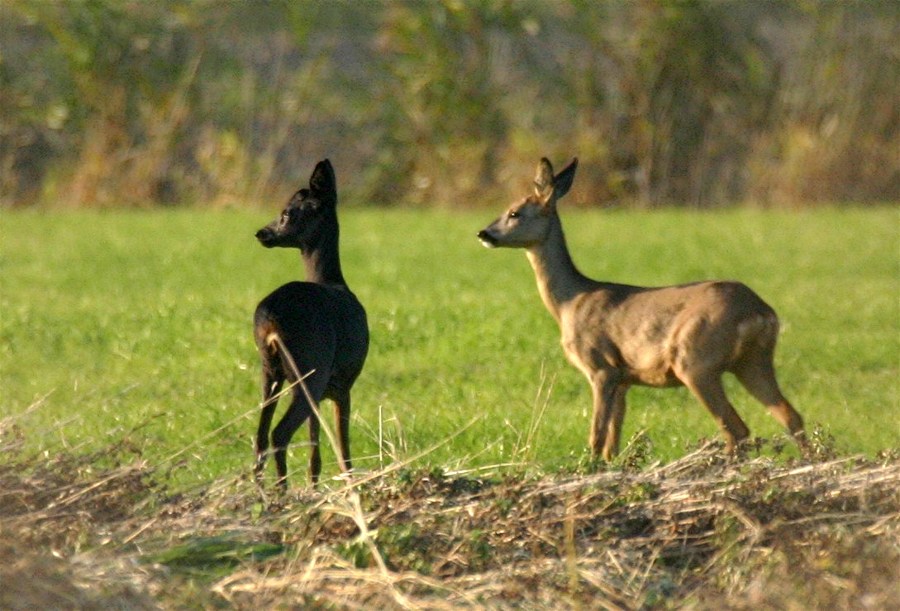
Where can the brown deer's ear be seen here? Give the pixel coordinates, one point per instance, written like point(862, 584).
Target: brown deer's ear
point(322, 182)
point(543, 181)
point(563, 181)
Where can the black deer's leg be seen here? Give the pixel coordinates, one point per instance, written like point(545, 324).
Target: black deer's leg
point(342, 418)
point(271, 386)
point(298, 412)
point(296, 415)
point(315, 455)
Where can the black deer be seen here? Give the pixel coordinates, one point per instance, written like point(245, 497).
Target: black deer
point(320, 323)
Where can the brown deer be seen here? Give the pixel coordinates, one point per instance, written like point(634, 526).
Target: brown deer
point(320, 323)
point(619, 335)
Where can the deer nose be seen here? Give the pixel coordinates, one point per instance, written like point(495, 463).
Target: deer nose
point(486, 238)
point(265, 236)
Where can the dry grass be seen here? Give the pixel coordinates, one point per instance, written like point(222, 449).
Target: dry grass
point(101, 531)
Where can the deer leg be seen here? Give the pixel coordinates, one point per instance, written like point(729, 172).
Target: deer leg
point(603, 387)
point(296, 415)
point(709, 390)
point(790, 419)
point(315, 455)
point(271, 386)
point(611, 447)
point(759, 380)
point(342, 418)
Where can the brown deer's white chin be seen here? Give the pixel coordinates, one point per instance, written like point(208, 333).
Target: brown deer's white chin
point(487, 240)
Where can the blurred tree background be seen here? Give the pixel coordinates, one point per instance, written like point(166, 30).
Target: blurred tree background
point(449, 102)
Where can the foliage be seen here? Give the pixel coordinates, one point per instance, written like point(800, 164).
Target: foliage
point(108, 102)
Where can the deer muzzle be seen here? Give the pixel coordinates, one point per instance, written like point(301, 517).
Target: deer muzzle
point(266, 237)
point(488, 240)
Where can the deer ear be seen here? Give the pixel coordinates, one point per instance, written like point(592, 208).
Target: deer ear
point(543, 181)
point(322, 181)
point(563, 181)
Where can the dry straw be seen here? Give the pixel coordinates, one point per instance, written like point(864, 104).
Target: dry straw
point(702, 532)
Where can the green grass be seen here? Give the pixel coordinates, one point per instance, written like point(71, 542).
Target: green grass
point(136, 326)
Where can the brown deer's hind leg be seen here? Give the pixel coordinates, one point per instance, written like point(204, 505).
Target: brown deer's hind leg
point(759, 380)
point(709, 390)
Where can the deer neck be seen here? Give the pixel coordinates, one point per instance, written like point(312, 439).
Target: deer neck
point(322, 261)
point(558, 280)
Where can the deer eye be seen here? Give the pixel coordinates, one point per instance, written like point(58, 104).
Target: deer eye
point(514, 214)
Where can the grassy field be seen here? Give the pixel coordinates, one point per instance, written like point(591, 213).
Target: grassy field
point(136, 326)
point(128, 400)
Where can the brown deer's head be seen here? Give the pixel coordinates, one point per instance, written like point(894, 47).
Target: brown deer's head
point(526, 223)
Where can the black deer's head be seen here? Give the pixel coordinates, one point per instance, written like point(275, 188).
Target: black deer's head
point(306, 213)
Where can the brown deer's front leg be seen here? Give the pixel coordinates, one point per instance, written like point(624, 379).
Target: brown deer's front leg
point(611, 447)
point(604, 385)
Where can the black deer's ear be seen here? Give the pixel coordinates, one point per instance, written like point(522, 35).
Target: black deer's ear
point(322, 182)
point(563, 181)
point(543, 181)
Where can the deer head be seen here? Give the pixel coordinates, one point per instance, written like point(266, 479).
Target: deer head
point(300, 223)
point(527, 222)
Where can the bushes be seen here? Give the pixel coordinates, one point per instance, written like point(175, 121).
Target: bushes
point(700, 103)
